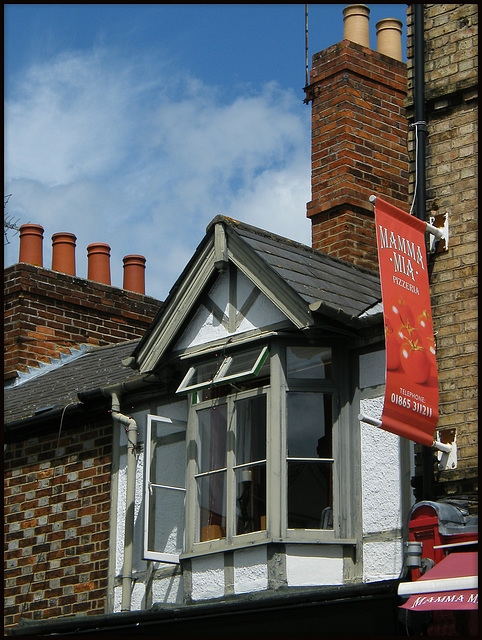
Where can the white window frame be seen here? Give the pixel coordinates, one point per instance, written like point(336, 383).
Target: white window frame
point(222, 374)
point(150, 554)
point(230, 469)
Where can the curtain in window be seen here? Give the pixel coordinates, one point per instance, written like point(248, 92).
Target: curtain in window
point(250, 478)
point(211, 479)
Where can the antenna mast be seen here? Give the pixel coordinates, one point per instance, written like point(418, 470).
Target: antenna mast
point(8, 222)
point(307, 76)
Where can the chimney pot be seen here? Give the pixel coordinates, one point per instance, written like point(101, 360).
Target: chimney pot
point(134, 271)
point(356, 24)
point(31, 239)
point(63, 253)
point(98, 262)
point(389, 38)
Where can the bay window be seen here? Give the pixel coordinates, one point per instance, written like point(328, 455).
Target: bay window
point(260, 455)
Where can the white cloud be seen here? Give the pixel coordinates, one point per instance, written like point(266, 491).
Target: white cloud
point(129, 153)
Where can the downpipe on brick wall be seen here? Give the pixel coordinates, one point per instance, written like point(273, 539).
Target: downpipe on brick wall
point(419, 194)
point(131, 430)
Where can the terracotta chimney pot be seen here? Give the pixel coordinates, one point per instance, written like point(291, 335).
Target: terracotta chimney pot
point(134, 273)
point(389, 38)
point(98, 262)
point(356, 24)
point(31, 239)
point(63, 253)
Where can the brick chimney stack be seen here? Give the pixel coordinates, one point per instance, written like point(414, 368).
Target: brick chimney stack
point(359, 142)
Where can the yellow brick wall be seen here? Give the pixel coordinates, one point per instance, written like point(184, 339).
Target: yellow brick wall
point(451, 188)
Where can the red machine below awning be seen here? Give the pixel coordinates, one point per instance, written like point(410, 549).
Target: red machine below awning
point(451, 584)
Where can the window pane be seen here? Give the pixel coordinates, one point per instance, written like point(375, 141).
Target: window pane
point(309, 363)
point(198, 375)
point(250, 499)
point(309, 425)
point(245, 362)
point(212, 438)
point(250, 429)
point(211, 490)
point(166, 524)
point(309, 481)
point(168, 451)
point(309, 495)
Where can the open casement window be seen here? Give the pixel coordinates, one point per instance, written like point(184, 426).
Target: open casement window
point(165, 454)
point(230, 368)
point(231, 466)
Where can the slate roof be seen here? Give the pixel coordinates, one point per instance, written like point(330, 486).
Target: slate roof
point(308, 286)
point(97, 367)
point(315, 276)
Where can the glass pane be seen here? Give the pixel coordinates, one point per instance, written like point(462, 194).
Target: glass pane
point(166, 524)
point(250, 499)
point(212, 438)
point(168, 454)
point(250, 429)
point(309, 425)
point(199, 374)
point(211, 491)
point(309, 363)
point(245, 362)
point(309, 495)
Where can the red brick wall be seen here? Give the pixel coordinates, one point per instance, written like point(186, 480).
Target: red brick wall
point(46, 312)
point(56, 519)
point(359, 138)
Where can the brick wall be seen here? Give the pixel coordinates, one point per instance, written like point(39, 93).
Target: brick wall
point(359, 134)
point(56, 524)
point(46, 312)
point(451, 182)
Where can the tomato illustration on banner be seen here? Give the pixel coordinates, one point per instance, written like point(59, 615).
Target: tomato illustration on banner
point(411, 394)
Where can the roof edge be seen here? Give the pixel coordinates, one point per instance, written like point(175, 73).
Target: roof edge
point(236, 224)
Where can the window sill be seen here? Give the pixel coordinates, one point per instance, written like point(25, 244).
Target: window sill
point(257, 540)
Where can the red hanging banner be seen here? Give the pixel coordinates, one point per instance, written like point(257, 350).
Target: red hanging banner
point(411, 395)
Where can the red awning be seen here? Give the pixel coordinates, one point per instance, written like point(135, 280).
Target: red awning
point(451, 584)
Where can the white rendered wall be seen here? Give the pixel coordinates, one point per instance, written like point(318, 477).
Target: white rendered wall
point(208, 577)
point(204, 327)
point(314, 565)
point(381, 473)
point(168, 587)
point(250, 570)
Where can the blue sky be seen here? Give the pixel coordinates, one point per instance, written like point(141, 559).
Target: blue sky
point(136, 125)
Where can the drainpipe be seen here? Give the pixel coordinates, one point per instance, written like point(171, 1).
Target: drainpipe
point(131, 430)
point(419, 109)
point(419, 195)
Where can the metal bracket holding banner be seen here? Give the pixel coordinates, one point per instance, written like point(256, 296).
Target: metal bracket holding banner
point(447, 459)
point(447, 453)
point(439, 242)
point(438, 229)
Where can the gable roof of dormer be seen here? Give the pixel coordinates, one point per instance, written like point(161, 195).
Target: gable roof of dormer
point(304, 284)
